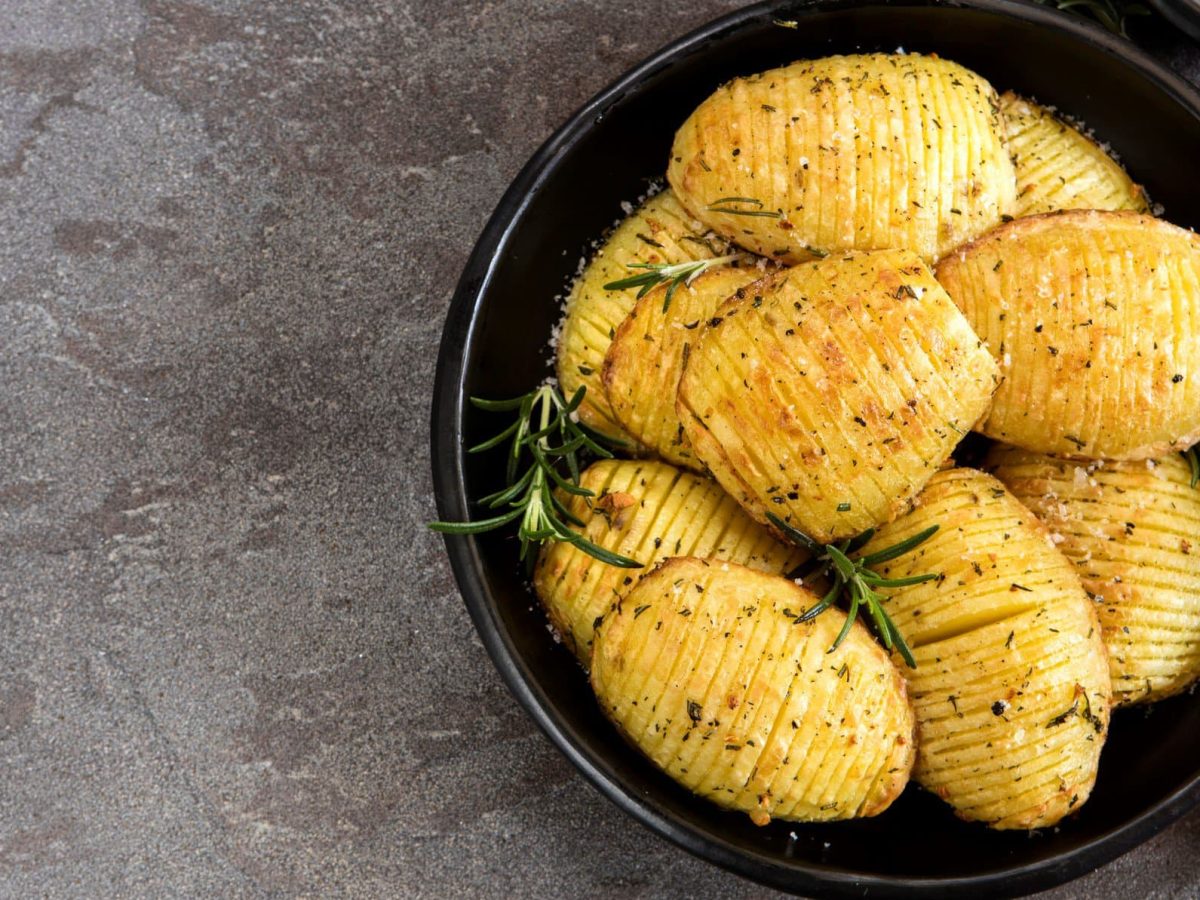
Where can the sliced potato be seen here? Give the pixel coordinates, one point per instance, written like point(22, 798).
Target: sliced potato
point(706, 670)
point(860, 152)
point(1095, 317)
point(1059, 168)
point(1011, 687)
point(833, 394)
point(1132, 529)
point(641, 369)
point(646, 511)
point(659, 231)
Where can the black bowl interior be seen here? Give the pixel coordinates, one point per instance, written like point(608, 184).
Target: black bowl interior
point(496, 345)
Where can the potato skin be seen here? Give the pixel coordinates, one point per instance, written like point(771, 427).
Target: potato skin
point(1060, 168)
point(642, 367)
point(647, 511)
point(659, 231)
point(1011, 688)
point(860, 152)
point(705, 669)
point(1132, 529)
point(831, 394)
point(1095, 317)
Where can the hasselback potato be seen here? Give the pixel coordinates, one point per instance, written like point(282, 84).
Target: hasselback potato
point(1095, 318)
point(641, 369)
point(646, 511)
point(859, 152)
point(1060, 168)
point(659, 231)
point(1132, 529)
point(705, 668)
point(1011, 688)
point(833, 390)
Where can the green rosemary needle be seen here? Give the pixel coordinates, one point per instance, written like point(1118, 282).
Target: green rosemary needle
point(736, 206)
point(1193, 458)
point(675, 273)
point(1109, 13)
point(543, 417)
point(856, 580)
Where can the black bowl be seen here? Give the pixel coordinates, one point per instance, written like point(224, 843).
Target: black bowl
point(496, 344)
point(1183, 14)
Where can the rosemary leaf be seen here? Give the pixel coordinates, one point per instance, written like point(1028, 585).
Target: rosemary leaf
point(543, 417)
point(854, 580)
point(795, 535)
point(753, 200)
point(722, 206)
point(672, 274)
point(474, 527)
point(899, 549)
point(498, 405)
point(506, 494)
point(496, 441)
point(851, 615)
point(1112, 14)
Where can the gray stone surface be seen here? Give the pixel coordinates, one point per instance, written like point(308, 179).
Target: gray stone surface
point(234, 663)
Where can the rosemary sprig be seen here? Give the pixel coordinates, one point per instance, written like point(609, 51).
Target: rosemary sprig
point(661, 273)
point(857, 580)
point(726, 205)
point(1109, 13)
point(1193, 459)
point(543, 416)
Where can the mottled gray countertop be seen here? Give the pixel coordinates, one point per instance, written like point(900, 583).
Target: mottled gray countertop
point(234, 663)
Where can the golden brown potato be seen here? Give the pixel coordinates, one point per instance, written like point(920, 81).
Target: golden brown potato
point(704, 667)
point(641, 369)
point(832, 394)
point(1011, 687)
point(1095, 317)
point(1059, 168)
point(646, 511)
point(659, 231)
point(1132, 529)
point(847, 153)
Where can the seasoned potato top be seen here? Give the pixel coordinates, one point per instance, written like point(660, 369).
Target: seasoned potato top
point(659, 231)
point(706, 669)
point(1132, 529)
point(642, 367)
point(646, 511)
point(1059, 168)
point(859, 152)
point(995, 559)
point(1011, 687)
point(832, 392)
point(1095, 317)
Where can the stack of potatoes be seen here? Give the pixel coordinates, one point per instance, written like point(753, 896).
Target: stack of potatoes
point(905, 256)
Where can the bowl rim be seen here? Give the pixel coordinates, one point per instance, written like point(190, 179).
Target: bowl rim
point(1183, 14)
point(449, 481)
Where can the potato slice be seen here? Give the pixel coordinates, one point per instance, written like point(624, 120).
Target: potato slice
point(704, 667)
point(861, 152)
point(641, 369)
point(1096, 319)
point(1059, 168)
point(1132, 529)
point(830, 396)
point(1011, 687)
point(646, 511)
point(659, 231)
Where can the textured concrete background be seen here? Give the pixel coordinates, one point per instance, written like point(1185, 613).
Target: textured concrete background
point(233, 662)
